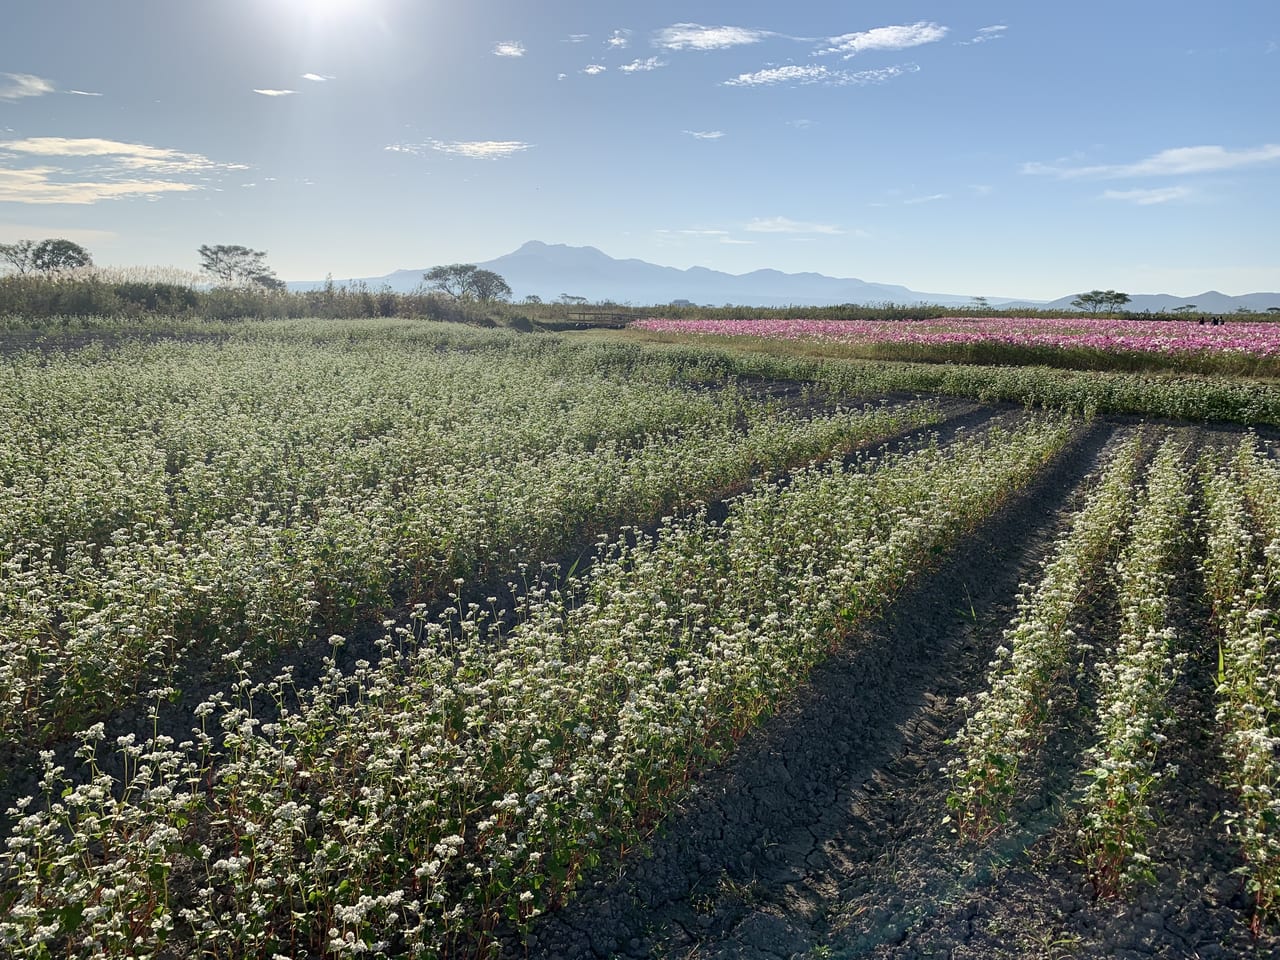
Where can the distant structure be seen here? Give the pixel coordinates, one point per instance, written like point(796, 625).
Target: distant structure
point(682, 303)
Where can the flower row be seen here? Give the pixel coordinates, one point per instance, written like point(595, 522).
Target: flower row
point(1091, 333)
point(1134, 682)
point(1008, 719)
point(1242, 577)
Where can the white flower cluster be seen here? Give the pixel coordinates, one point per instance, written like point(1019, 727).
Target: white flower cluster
point(1134, 683)
point(166, 504)
point(1030, 667)
point(1242, 576)
point(471, 776)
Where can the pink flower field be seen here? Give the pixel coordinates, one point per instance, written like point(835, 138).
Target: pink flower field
point(1093, 333)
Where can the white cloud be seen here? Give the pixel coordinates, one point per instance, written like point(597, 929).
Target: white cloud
point(41, 185)
point(885, 38)
point(1145, 198)
point(472, 149)
point(275, 93)
point(578, 38)
point(794, 73)
point(508, 48)
point(800, 124)
point(83, 93)
point(317, 77)
point(649, 63)
point(931, 198)
point(129, 156)
point(985, 35)
point(694, 36)
point(15, 86)
point(592, 69)
point(619, 39)
point(705, 134)
point(785, 225)
point(1178, 161)
point(816, 73)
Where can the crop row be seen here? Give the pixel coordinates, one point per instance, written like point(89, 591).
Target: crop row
point(466, 781)
point(1242, 576)
point(1134, 683)
point(1031, 668)
point(1135, 671)
point(168, 506)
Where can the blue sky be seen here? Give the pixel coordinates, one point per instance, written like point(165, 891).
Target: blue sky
point(986, 148)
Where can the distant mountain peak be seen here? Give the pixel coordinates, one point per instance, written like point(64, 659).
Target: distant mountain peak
point(550, 270)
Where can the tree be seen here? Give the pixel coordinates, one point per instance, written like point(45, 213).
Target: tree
point(1096, 300)
point(18, 255)
point(489, 287)
point(50, 256)
point(1185, 308)
point(980, 303)
point(533, 299)
point(451, 279)
point(232, 264)
point(571, 299)
point(466, 281)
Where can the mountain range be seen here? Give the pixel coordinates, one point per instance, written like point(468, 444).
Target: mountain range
point(551, 270)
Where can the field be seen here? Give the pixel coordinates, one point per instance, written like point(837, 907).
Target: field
point(402, 639)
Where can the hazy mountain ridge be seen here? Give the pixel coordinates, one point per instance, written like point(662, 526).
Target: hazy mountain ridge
point(551, 270)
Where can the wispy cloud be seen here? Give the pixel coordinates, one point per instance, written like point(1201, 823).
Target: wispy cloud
point(471, 149)
point(805, 74)
point(40, 185)
point(885, 38)
point(275, 93)
point(83, 93)
point(619, 39)
point(15, 86)
point(130, 156)
point(88, 170)
point(578, 38)
point(1178, 161)
point(785, 225)
point(508, 48)
point(637, 66)
point(592, 69)
point(705, 134)
point(985, 35)
point(1145, 198)
point(930, 198)
point(694, 36)
point(317, 77)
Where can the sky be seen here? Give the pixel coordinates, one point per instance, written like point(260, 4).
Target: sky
point(986, 148)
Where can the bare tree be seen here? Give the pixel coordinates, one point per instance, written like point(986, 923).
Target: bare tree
point(18, 255)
